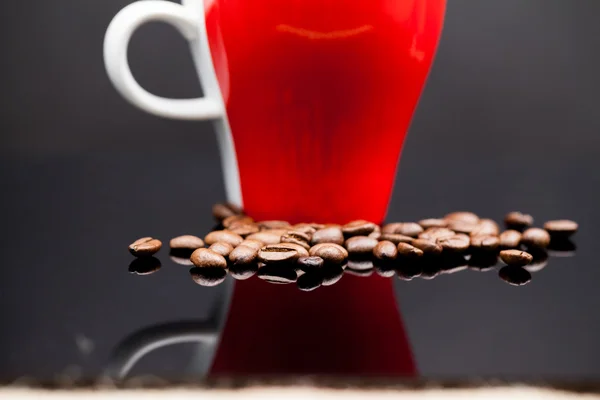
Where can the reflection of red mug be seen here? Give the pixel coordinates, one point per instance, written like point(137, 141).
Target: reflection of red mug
point(316, 97)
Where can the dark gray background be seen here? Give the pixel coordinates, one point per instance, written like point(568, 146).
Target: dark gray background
point(508, 120)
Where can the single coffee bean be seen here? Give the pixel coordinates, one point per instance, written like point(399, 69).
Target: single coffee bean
point(304, 228)
point(186, 242)
point(457, 243)
point(561, 228)
point(331, 274)
point(221, 248)
point(539, 262)
point(375, 235)
point(223, 236)
point(460, 226)
point(408, 251)
point(433, 223)
point(485, 242)
point(236, 219)
point(243, 271)
point(208, 276)
point(411, 229)
point(205, 258)
point(486, 227)
point(510, 239)
point(310, 263)
point(144, 265)
point(395, 238)
point(302, 251)
point(515, 276)
point(309, 281)
point(428, 247)
point(358, 227)
point(328, 235)
point(252, 243)
point(243, 255)
point(278, 273)
point(518, 221)
point(243, 228)
point(385, 250)
point(434, 234)
point(360, 245)
point(535, 237)
point(145, 246)
point(516, 258)
point(274, 224)
point(266, 237)
point(297, 237)
point(464, 216)
point(329, 252)
point(221, 211)
point(277, 253)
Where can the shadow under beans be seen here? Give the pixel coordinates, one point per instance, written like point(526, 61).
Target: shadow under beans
point(144, 265)
point(515, 276)
point(562, 247)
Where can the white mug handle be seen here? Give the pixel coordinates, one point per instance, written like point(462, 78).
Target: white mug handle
point(116, 42)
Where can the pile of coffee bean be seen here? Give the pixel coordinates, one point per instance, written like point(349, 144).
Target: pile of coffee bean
point(316, 254)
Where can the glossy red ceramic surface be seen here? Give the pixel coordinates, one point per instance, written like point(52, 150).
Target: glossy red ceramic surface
point(319, 96)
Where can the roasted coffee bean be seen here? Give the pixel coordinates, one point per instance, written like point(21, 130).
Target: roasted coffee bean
point(428, 247)
point(254, 244)
point(395, 238)
point(186, 242)
point(560, 247)
point(296, 237)
point(485, 242)
point(221, 248)
point(278, 273)
point(243, 228)
point(144, 265)
point(385, 250)
point(221, 211)
point(464, 216)
point(516, 258)
point(517, 220)
point(433, 223)
point(457, 243)
point(359, 272)
point(535, 237)
point(486, 227)
point(277, 253)
point(145, 246)
point(515, 276)
point(359, 264)
point(205, 258)
point(539, 262)
point(331, 274)
point(408, 251)
point(460, 226)
point(243, 255)
point(360, 245)
point(375, 235)
point(309, 281)
point(562, 228)
point(328, 235)
point(329, 252)
point(510, 239)
point(302, 252)
point(243, 271)
point(266, 237)
point(304, 228)
point(359, 227)
point(208, 276)
point(274, 224)
point(223, 236)
point(411, 229)
point(237, 219)
point(310, 264)
point(434, 234)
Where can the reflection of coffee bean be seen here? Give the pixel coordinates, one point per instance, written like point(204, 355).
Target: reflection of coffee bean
point(464, 216)
point(208, 276)
point(408, 251)
point(360, 245)
point(452, 263)
point(562, 228)
point(515, 276)
point(561, 248)
point(385, 250)
point(186, 242)
point(457, 243)
point(406, 271)
point(486, 227)
point(221, 248)
point(516, 258)
point(310, 264)
point(427, 246)
point(395, 238)
point(535, 237)
point(282, 273)
point(181, 256)
point(328, 235)
point(266, 237)
point(411, 229)
point(252, 243)
point(358, 227)
point(243, 271)
point(205, 258)
point(359, 264)
point(274, 224)
point(329, 252)
point(223, 236)
point(359, 272)
point(297, 237)
point(243, 255)
point(510, 239)
point(433, 223)
point(222, 211)
point(332, 274)
point(539, 262)
point(384, 268)
point(144, 265)
point(518, 221)
point(145, 246)
point(485, 242)
point(434, 234)
point(430, 269)
point(483, 261)
point(309, 281)
point(236, 220)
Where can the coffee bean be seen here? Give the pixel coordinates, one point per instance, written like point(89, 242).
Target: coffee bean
point(309, 281)
point(562, 228)
point(359, 264)
point(360, 245)
point(208, 276)
point(277, 273)
point(459, 226)
point(310, 264)
point(222, 211)
point(428, 247)
point(186, 242)
point(243, 255)
point(485, 242)
point(274, 224)
point(358, 227)
point(385, 250)
point(510, 239)
point(266, 237)
point(411, 229)
point(395, 238)
point(331, 274)
point(305, 228)
point(243, 271)
point(223, 236)
point(237, 219)
point(515, 276)
point(464, 216)
point(144, 265)
point(145, 246)
point(434, 234)
point(205, 258)
point(486, 227)
point(375, 235)
point(302, 251)
point(517, 221)
point(535, 237)
point(297, 237)
point(221, 248)
point(408, 251)
point(277, 253)
point(252, 243)
point(457, 243)
point(329, 252)
point(433, 223)
point(328, 235)
point(516, 258)
point(243, 228)
point(359, 272)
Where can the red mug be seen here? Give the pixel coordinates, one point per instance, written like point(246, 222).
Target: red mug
point(311, 100)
